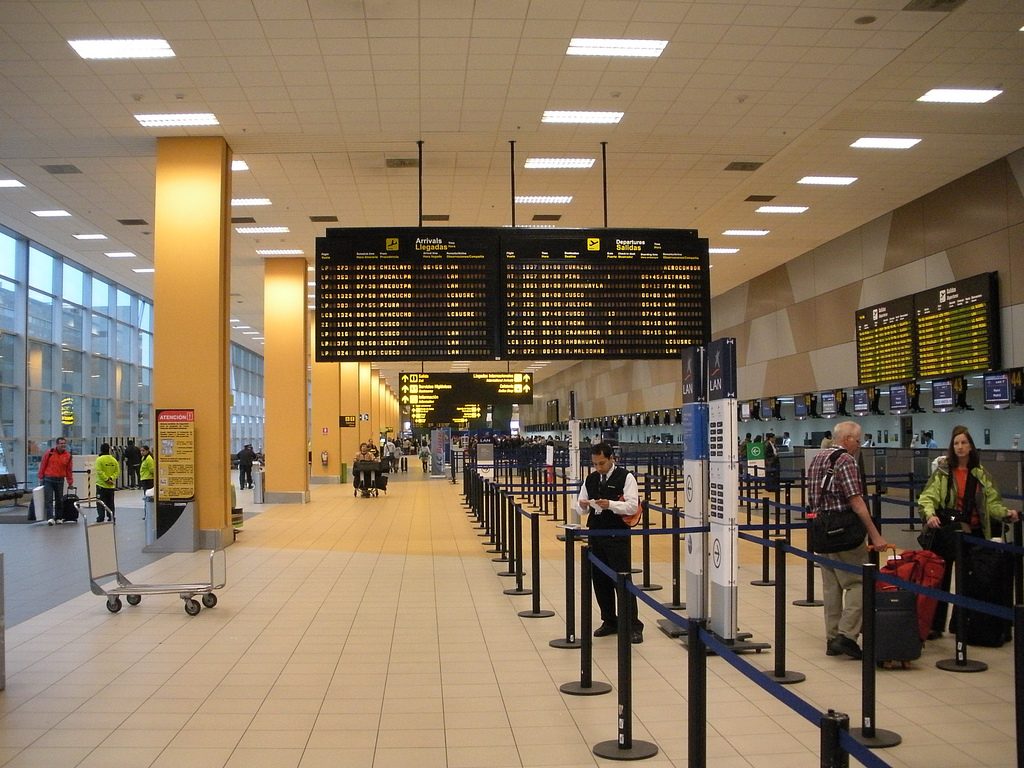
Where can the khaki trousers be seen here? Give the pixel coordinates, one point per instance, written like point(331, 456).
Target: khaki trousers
point(843, 594)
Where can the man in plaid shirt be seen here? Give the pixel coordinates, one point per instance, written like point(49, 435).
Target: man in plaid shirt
point(842, 589)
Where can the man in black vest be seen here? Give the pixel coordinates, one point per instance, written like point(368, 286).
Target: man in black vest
point(608, 494)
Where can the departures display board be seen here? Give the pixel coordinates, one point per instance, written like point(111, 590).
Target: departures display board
point(440, 398)
point(943, 331)
point(504, 294)
point(885, 341)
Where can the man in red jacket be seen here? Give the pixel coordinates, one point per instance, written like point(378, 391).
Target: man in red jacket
point(54, 469)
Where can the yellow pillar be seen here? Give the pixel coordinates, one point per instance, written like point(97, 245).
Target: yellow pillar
point(363, 403)
point(190, 310)
point(335, 395)
point(285, 322)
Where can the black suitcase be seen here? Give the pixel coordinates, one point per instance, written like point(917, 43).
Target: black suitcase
point(989, 578)
point(69, 508)
point(382, 482)
point(897, 638)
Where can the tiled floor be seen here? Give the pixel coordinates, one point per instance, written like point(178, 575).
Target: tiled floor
point(374, 633)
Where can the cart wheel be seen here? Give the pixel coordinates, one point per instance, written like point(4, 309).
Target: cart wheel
point(192, 607)
point(134, 599)
point(114, 604)
point(209, 599)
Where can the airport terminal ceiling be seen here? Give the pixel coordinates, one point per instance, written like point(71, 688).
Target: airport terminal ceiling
point(325, 103)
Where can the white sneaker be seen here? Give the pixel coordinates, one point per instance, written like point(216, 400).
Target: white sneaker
point(60, 522)
point(50, 521)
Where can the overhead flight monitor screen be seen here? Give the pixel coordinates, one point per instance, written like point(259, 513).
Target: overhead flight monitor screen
point(415, 294)
point(957, 327)
point(885, 341)
point(443, 398)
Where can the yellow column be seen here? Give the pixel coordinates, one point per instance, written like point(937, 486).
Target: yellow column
point(335, 395)
point(190, 310)
point(363, 403)
point(348, 376)
point(285, 322)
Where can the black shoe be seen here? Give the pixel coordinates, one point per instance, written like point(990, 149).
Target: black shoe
point(829, 651)
point(636, 637)
point(606, 629)
point(934, 634)
point(844, 645)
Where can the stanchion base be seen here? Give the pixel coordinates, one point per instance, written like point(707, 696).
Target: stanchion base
point(648, 587)
point(763, 583)
point(880, 740)
point(517, 591)
point(808, 603)
point(576, 689)
point(537, 615)
point(674, 606)
point(670, 629)
point(501, 559)
point(969, 665)
point(740, 645)
point(506, 574)
point(787, 678)
point(492, 552)
point(565, 643)
point(610, 750)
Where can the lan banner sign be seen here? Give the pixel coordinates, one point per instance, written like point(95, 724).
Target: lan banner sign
point(176, 454)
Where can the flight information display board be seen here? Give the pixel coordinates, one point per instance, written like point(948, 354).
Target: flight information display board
point(440, 398)
point(416, 294)
point(944, 331)
point(406, 294)
point(958, 327)
point(885, 342)
point(608, 294)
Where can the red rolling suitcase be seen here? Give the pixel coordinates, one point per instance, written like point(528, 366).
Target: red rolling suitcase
point(918, 567)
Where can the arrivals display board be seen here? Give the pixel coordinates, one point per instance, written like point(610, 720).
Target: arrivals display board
point(412, 294)
point(947, 330)
point(440, 398)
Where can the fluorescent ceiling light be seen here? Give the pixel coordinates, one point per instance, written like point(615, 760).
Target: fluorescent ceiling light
point(559, 162)
point(234, 320)
point(50, 214)
point(143, 270)
point(250, 201)
point(262, 230)
point(595, 46)
point(868, 142)
point(10, 183)
point(579, 116)
point(959, 95)
point(170, 119)
point(834, 181)
point(122, 49)
point(723, 250)
point(96, 236)
point(747, 232)
point(239, 165)
point(544, 199)
point(280, 252)
point(250, 333)
point(120, 255)
point(781, 209)
point(258, 338)
point(242, 327)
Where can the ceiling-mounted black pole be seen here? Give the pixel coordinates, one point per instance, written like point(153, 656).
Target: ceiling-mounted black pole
point(604, 179)
point(419, 162)
point(512, 176)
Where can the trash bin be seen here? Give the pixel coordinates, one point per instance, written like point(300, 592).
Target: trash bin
point(344, 473)
point(257, 485)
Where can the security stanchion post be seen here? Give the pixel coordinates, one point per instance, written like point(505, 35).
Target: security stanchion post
point(780, 673)
point(624, 748)
point(570, 640)
point(517, 571)
point(510, 542)
point(494, 526)
point(1018, 676)
point(501, 523)
point(809, 600)
point(676, 604)
point(645, 542)
point(912, 501)
point(764, 581)
point(960, 663)
point(832, 753)
point(868, 734)
point(535, 612)
point(697, 695)
point(586, 685)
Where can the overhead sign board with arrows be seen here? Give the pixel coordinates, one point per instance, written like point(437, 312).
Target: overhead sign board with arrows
point(442, 398)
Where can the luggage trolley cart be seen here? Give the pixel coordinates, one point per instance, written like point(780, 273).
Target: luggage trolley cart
point(102, 550)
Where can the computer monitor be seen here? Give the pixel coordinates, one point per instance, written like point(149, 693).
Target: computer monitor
point(745, 410)
point(942, 395)
point(899, 402)
point(800, 407)
point(996, 388)
point(827, 400)
point(860, 402)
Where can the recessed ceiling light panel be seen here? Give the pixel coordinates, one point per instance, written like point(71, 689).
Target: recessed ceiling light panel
point(879, 142)
point(122, 49)
point(50, 214)
point(10, 184)
point(239, 165)
point(959, 95)
point(144, 270)
point(544, 199)
point(747, 232)
point(171, 120)
point(559, 162)
point(90, 236)
point(723, 250)
point(781, 209)
point(596, 46)
point(262, 230)
point(119, 255)
point(831, 181)
point(250, 201)
point(279, 251)
point(581, 117)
